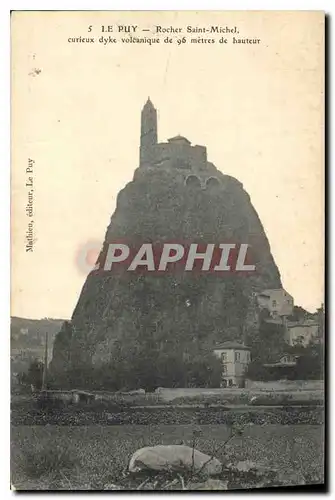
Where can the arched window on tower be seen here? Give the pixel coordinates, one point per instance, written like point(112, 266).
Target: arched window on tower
point(192, 181)
point(212, 183)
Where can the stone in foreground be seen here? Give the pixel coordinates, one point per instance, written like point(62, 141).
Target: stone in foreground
point(174, 458)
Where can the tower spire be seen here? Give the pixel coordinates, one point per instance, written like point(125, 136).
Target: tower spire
point(148, 132)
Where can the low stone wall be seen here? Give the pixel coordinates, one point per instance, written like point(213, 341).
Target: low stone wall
point(169, 394)
point(285, 385)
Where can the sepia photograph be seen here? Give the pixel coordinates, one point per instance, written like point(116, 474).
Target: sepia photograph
point(167, 250)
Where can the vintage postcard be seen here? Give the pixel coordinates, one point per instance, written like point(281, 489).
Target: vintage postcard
point(167, 295)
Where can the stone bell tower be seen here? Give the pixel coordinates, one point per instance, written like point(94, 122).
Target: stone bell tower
point(148, 132)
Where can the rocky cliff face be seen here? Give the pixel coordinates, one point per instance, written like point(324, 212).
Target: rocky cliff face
point(175, 310)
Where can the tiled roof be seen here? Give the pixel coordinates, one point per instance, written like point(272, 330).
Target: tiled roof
point(231, 345)
point(179, 138)
point(270, 290)
point(306, 322)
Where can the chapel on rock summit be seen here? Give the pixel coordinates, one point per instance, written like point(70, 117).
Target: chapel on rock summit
point(177, 153)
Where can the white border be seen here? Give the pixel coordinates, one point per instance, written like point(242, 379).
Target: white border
point(171, 5)
point(6, 6)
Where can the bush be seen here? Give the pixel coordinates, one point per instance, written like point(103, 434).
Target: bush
point(257, 371)
point(201, 399)
point(146, 369)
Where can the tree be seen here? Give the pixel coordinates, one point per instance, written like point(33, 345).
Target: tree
point(321, 322)
point(270, 343)
point(257, 371)
point(203, 370)
point(62, 346)
point(35, 374)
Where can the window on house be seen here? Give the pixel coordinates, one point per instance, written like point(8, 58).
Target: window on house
point(274, 303)
point(223, 356)
point(230, 382)
point(237, 356)
point(224, 368)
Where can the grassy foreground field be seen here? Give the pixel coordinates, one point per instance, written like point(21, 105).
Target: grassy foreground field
point(93, 457)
